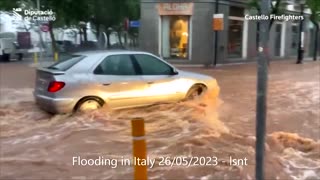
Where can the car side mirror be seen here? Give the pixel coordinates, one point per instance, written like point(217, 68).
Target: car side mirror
point(174, 71)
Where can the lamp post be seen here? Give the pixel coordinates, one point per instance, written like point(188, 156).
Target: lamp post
point(216, 36)
point(301, 35)
point(262, 86)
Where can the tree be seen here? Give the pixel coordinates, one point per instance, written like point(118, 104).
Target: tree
point(276, 9)
point(76, 11)
point(109, 15)
point(9, 4)
point(133, 14)
point(103, 14)
point(314, 6)
point(275, 5)
point(67, 13)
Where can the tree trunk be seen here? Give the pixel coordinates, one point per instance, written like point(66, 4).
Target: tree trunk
point(85, 37)
point(76, 36)
point(53, 40)
point(108, 39)
point(80, 33)
point(126, 38)
point(119, 37)
point(275, 10)
point(301, 41)
point(316, 43)
point(97, 25)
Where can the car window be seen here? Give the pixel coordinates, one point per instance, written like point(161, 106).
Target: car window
point(116, 65)
point(152, 66)
point(67, 62)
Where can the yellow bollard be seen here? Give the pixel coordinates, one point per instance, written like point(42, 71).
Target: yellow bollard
point(139, 148)
point(35, 57)
point(56, 56)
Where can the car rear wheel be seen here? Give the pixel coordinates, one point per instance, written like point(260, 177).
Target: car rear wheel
point(88, 104)
point(195, 92)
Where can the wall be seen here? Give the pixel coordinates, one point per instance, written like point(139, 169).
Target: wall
point(149, 25)
point(202, 34)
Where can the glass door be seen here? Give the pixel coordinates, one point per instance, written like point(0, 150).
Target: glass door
point(175, 37)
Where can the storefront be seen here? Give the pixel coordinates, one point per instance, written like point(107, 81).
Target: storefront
point(181, 32)
point(175, 29)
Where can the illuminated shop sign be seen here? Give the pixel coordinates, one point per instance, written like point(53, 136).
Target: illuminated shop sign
point(175, 8)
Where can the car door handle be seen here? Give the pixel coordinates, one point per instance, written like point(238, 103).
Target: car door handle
point(106, 84)
point(150, 82)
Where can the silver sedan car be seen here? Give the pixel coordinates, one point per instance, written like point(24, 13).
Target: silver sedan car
point(118, 79)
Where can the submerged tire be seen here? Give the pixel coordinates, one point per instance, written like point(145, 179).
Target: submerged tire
point(195, 92)
point(89, 104)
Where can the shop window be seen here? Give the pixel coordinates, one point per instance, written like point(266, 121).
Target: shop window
point(294, 39)
point(235, 32)
point(235, 38)
point(175, 37)
point(236, 11)
point(277, 42)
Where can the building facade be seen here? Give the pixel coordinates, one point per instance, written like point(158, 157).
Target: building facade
point(181, 31)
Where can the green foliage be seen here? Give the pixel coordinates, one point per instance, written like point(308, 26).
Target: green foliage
point(108, 13)
point(112, 12)
point(103, 14)
point(7, 5)
point(254, 4)
point(278, 8)
point(314, 6)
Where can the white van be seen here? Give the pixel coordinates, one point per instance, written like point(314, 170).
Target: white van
point(10, 45)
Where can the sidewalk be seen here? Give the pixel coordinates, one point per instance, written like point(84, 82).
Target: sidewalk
point(238, 63)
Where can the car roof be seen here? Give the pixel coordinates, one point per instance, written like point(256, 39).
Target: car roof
point(109, 52)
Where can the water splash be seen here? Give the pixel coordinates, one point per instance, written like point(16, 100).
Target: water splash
point(41, 142)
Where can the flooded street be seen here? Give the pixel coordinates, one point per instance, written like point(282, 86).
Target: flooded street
point(37, 145)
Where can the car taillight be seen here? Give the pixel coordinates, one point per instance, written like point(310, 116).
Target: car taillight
point(55, 86)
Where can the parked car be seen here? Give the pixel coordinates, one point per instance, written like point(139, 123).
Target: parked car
point(118, 78)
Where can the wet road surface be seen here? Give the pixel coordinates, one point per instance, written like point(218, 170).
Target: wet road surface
point(37, 145)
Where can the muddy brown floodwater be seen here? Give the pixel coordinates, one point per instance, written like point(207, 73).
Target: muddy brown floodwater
point(36, 145)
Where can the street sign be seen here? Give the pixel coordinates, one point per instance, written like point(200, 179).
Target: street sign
point(135, 24)
point(44, 27)
point(217, 22)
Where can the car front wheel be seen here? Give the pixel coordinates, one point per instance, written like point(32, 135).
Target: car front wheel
point(195, 92)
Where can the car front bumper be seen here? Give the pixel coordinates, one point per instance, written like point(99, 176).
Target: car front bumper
point(54, 105)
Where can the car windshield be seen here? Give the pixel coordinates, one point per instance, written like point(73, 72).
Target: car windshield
point(67, 62)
